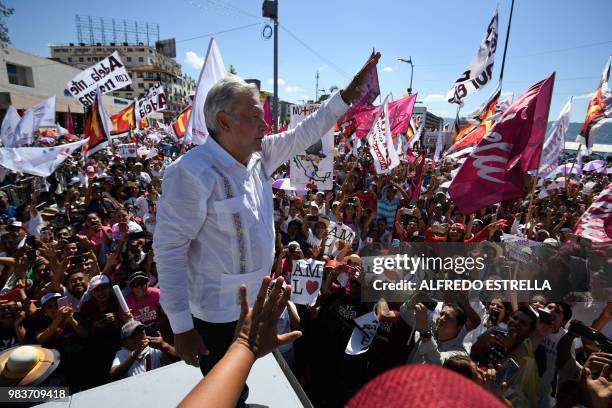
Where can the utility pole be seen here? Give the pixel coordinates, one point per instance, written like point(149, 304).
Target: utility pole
point(270, 10)
point(317, 86)
point(409, 61)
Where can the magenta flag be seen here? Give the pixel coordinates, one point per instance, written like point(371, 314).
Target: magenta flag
point(400, 112)
point(596, 221)
point(268, 113)
point(417, 181)
point(493, 171)
point(369, 92)
point(69, 123)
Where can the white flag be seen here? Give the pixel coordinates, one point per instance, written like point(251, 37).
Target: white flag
point(380, 141)
point(39, 161)
point(439, 145)
point(212, 71)
point(42, 114)
point(9, 125)
point(553, 144)
point(480, 70)
point(417, 136)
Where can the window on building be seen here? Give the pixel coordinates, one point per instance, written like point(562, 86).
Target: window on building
point(140, 59)
point(80, 59)
point(140, 49)
point(69, 59)
point(19, 75)
point(129, 59)
point(139, 75)
point(141, 85)
point(150, 51)
point(130, 49)
point(128, 95)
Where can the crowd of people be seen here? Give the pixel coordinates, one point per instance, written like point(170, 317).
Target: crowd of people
point(90, 226)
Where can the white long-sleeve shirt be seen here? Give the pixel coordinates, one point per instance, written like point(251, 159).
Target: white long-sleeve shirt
point(215, 222)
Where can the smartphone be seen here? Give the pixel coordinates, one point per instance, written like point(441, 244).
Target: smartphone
point(31, 254)
point(78, 259)
point(506, 372)
point(31, 242)
point(545, 316)
point(63, 301)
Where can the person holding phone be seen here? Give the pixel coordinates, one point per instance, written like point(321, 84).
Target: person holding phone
point(215, 225)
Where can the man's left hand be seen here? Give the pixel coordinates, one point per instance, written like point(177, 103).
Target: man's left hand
point(355, 89)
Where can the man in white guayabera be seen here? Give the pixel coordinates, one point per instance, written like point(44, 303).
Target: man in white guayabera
point(215, 224)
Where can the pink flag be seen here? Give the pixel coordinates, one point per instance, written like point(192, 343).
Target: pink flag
point(369, 91)
point(69, 123)
point(268, 114)
point(595, 222)
point(493, 171)
point(400, 112)
point(417, 181)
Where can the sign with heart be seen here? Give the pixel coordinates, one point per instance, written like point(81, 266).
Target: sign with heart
point(306, 279)
point(337, 236)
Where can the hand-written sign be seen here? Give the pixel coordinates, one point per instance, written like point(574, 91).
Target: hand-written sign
point(337, 235)
point(363, 334)
point(306, 278)
point(127, 150)
point(108, 75)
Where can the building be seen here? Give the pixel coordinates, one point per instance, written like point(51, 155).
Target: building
point(145, 64)
point(27, 79)
point(432, 122)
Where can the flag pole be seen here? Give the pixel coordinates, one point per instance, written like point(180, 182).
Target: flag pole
point(573, 163)
point(501, 74)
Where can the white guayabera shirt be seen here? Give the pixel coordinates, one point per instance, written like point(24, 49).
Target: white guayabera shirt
point(215, 222)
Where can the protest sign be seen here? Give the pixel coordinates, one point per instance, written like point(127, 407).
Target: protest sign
point(108, 75)
point(316, 163)
point(337, 235)
point(127, 150)
point(306, 278)
point(363, 334)
point(154, 101)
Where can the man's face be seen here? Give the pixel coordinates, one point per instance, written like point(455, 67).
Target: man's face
point(131, 343)
point(51, 309)
point(557, 315)
point(447, 323)
point(320, 229)
point(520, 324)
point(77, 283)
point(245, 126)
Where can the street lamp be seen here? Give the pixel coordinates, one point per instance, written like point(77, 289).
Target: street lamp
point(409, 61)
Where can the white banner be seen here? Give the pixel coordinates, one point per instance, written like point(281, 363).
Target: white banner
point(383, 153)
point(337, 236)
point(362, 336)
point(39, 161)
point(439, 146)
point(480, 70)
point(212, 71)
point(316, 163)
point(109, 75)
point(9, 125)
point(154, 101)
point(306, 278)
point(127, 150)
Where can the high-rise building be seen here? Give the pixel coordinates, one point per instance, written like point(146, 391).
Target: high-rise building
point(146, 65)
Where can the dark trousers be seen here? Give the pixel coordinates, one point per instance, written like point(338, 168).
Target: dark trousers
point(217, 337)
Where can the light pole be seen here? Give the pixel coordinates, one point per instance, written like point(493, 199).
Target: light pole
point(409, 61)
point(270, 10)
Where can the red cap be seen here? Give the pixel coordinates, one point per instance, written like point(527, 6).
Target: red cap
point(332, 263)
point(423, 386)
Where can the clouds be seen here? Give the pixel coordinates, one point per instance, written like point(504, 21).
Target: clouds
point(194, 60)
point(287, 88)
point(435, 98)
point(585, 96)
point(281, 81)
point(291, 89)
point(387, 69)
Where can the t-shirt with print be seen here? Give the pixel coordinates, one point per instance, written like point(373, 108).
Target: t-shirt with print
point(149, 359)
point(145, 310)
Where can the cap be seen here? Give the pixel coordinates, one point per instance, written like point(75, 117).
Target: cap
point(332, 263)
point(98, 280)
point(313, 204)
point(130, 328)
point(296, 244)
point(323, 220)
point(48, 296)
point(90, 169)
point(137, 275)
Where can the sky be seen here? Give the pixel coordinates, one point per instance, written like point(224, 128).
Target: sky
point(335, 37)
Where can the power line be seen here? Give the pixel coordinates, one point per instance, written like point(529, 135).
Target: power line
point(219, 32)
point(309, 48)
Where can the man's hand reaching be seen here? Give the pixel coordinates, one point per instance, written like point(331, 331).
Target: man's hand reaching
point(354, 90)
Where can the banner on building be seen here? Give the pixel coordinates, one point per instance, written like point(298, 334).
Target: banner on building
point(108, 75)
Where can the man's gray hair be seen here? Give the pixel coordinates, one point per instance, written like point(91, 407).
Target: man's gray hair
point(221, 98)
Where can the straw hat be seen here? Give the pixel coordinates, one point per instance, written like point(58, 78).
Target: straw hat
point(27, 365)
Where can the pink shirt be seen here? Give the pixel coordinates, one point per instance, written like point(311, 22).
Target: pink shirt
point(144, 310)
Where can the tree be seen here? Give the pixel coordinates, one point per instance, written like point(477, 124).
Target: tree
point(4, 12)
point(232, 70)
